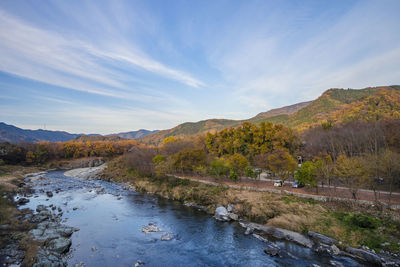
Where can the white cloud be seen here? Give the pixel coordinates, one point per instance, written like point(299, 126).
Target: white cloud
point(49, 57)
point(361, 48)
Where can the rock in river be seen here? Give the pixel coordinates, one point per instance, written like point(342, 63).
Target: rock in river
point(49, 193)
point(321, 238)
point(221, 214)
point(22, 201)
point(367, 256)
point(150, 228)
point(166, 237)
point(59, 245)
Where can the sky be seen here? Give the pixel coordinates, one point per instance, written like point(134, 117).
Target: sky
point(113, 66)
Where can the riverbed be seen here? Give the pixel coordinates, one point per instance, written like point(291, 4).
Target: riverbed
point(110, 218)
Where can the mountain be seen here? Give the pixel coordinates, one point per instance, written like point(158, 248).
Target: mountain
point(213, 125)
point(342, 105)
point(134, 134)
point(12, 134)
point(278, 112)
point(336, 105)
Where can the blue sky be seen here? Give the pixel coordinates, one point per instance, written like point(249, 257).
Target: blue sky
point(112, 66)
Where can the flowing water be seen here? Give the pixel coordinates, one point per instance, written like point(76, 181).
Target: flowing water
point(111, 234)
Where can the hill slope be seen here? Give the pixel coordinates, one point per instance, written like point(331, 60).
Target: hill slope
point(340, 105)
point(212, 125)
point(12, 134)
point(337, 105)
point(134, 134)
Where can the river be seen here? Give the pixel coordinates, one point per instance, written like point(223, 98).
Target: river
point(111, 222)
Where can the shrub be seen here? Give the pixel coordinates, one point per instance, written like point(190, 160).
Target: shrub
point(363, 221)
point(233, 176)
point(218, 169)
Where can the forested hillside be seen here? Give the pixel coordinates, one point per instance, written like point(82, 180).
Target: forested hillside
point(333, 106)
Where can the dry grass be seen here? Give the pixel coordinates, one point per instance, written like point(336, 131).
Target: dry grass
point(284, 211)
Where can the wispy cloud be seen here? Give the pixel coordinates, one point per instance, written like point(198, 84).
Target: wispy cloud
point(49, 57)
point(106, 66)
point(271, 68)
point(91, 119)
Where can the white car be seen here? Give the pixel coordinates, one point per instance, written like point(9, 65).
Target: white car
point(278, 183)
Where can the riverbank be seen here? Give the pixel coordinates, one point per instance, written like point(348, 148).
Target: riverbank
point(358, 225)
point(16, 244)
point(377, 229)
point(23, 233)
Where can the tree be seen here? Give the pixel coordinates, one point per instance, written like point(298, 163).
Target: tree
point(41, 153)
point(307, 174)
point(281, 163)
point(189, 159)
point(218, 169)
point(323, 168)
point(250, 173)
point(250, 140)
point(238, 163)
point(390, 168)
point(159, 158)
point(352, 171)
point(30, 157)
point(139, 159)
point(233, 175)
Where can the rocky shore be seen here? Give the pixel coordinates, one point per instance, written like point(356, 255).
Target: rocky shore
point(47, 241)
point(322, 245)
point(52, 240)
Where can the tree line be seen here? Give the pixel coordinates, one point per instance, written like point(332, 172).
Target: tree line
point(42, 152)
point(353, 154)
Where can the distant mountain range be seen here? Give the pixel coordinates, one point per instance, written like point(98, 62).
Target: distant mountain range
point(336, 105)
point(13, 134)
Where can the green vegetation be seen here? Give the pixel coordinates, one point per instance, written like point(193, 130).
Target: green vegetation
point(336, 105)
point(353, 224)
point(42, 152)
point(337, 151)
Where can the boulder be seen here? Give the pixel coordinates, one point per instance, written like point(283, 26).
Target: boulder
point(37, 218)
point(335, 250)
point(272, 250)
point(221, 214)
point(230, 208)
point(47, 258)
point(323, 249)
point(366, 256)
point(321, 238)
point(150, 228)
point(249, 231)
point(167, 237)
point(65, 231)
point(49, 234)
point(36, 233)
point(279, 233)
point(59, 245)
point(49, 193)
point(233, 216)
point(22, 201)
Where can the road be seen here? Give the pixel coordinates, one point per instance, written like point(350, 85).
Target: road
point(263, 177)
